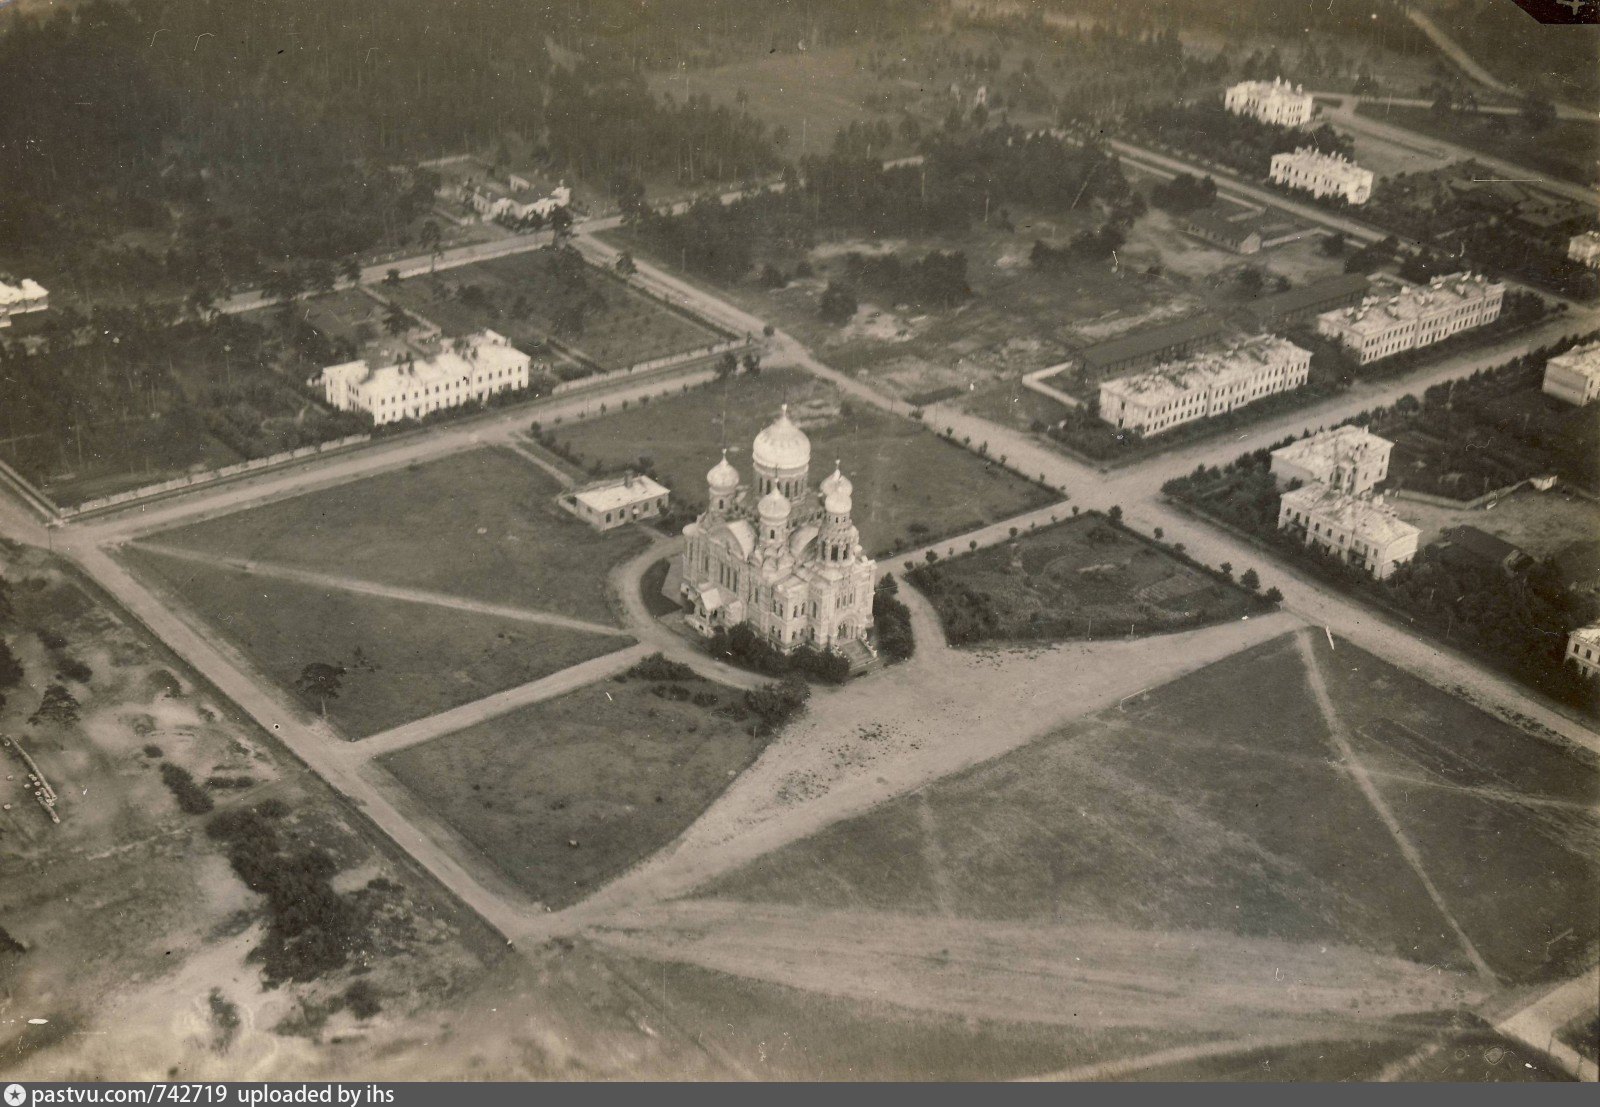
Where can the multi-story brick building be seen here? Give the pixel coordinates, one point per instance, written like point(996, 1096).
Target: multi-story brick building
point(1275, 101)
point(456, 372)
point(1575, 375)
point(1349, 458)
point(1416, 316)
point(1361, 530)
point(1322, 175)
point(1204, 385)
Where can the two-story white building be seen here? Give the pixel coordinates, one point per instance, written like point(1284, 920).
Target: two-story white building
point(1361, 530)
point(1206, 384)
point(1416, 316)
point(456, 372)
point(1275, 101)
point(1350, 458)
point(1322, 175)
point(1575, 375)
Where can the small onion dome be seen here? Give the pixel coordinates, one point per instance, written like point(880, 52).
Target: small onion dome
point(782, 445)
point(837, 482)
point(837, 502)
point(774, 507)
point(723, 477)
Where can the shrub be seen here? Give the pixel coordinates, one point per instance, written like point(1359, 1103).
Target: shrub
point(658, 667)
point(362, 999)
point(775, 704)
point(192, 799)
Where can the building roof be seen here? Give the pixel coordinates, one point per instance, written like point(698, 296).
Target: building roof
point(1339, 446)
point(618, 492)
point(1151, 341)
point(1482, 546)
point(1579, 359)
point(1212, 223)
point(483, 351)
point(1376, 315)
point(782, 445)
point(1589, 636)
point(1209, 369)
point(26, 289)
point(723, 476)
point(1368, 518)
point(1334, 165)
point(1345, 286)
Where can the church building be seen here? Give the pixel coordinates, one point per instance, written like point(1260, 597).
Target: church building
point(779, 556)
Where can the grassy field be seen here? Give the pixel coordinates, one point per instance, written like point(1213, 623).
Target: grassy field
point(531, 296)
point(1077, 579)
point(414, 660)
point(1198, 808)
point(782, 1033)
point(564, 795)
point(904, 475)
point(482, 525)
point(1567, 149)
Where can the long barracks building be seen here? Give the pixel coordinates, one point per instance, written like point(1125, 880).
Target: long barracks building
point(1204, 385)
point(1416, 316)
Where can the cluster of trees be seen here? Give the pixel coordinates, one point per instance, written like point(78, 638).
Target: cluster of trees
point(938, 280)
point(744, 647)
point(192, 799)
point(892, 618)
point(1184, 193)
point(311, 929)
point(178, 145)
point(91, 393)
point(966, 177)
point(1243, 144)
point(775, 704)
point(1087, 245)
point(1480, 231)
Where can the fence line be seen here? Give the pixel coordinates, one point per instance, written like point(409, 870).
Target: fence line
point(191, 480)
point(650, 366)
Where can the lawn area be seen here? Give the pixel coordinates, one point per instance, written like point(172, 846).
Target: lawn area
point(566, 794)
point(538, 294)
point(482, 524)
point(1198, 808)
point(1080, 578)
point(403, 661)
point(1567, 148)
point(904, 475)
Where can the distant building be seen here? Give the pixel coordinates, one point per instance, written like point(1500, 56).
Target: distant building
point(607, 504)
point(1416, 316)
point(1473, 546)
point(1585, 248)
point(1583, 650)
point(19, 299)
point(1282, 309)
point(1275, 101)
point(1205, 385)
point(460, 371)
point(513, 200)
point(1361, 530)
point(1322, 175)
point(1351, 459)
point(1152, 344)
point(1575, 375)
point(1242, 236)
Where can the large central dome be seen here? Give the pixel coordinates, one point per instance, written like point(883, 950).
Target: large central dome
point(782, 445)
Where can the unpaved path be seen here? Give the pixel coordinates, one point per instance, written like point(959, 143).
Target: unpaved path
point(339, 583)
point(901, 728)
point(1339, 736)
point(1083, 976)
